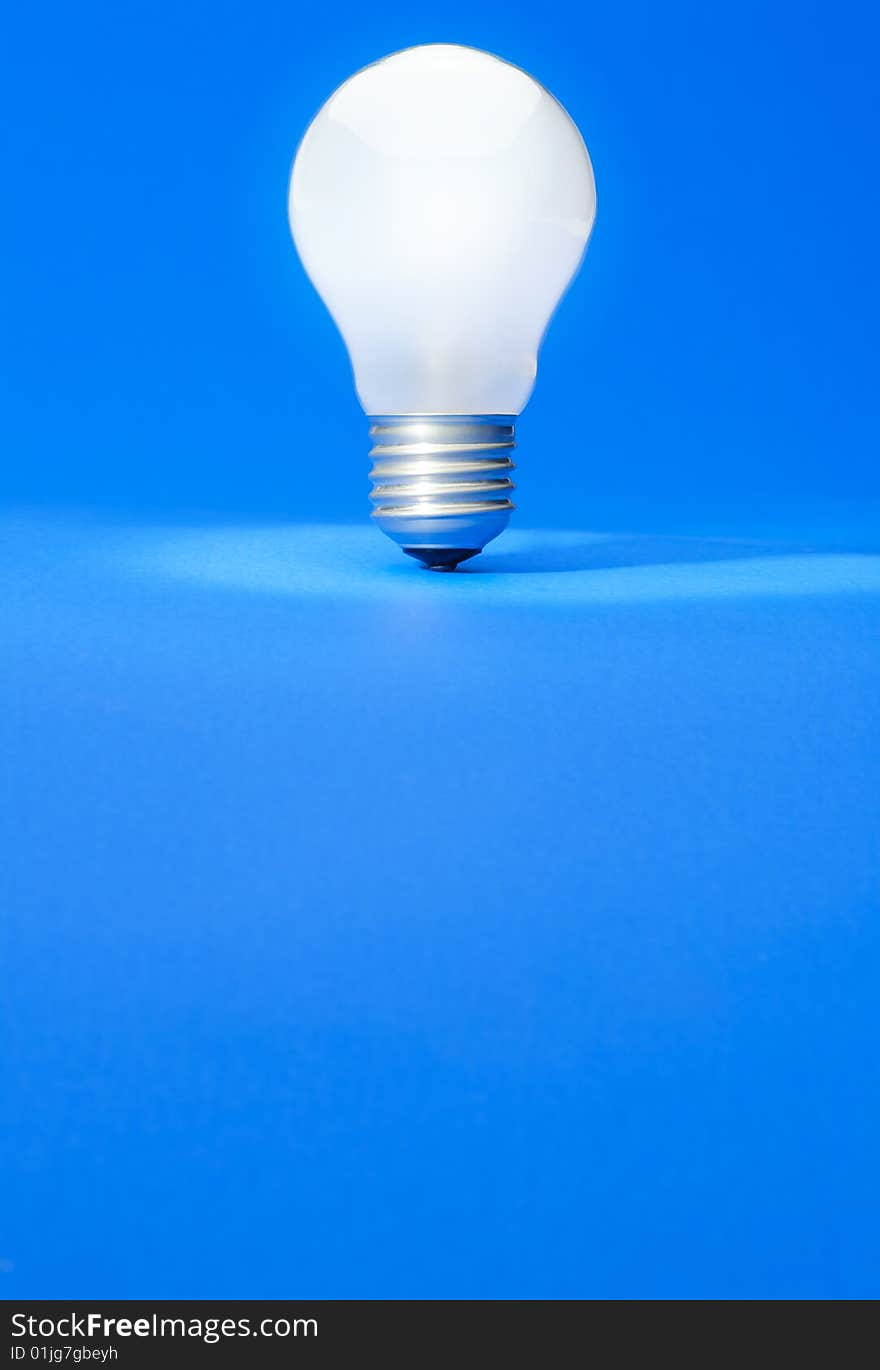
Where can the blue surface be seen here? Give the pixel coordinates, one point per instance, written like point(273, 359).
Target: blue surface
point(369, 932)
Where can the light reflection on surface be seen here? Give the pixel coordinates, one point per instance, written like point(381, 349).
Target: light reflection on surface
point(548, 567)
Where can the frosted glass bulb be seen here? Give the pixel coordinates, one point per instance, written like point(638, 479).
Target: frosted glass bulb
point(441, 201)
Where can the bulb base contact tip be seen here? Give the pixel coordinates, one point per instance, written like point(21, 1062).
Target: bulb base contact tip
point(441, 483)
point(442, 558)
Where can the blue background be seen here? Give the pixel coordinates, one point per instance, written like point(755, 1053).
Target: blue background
point(367, 932)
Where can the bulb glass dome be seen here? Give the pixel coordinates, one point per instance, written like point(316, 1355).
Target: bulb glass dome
point(441, 201)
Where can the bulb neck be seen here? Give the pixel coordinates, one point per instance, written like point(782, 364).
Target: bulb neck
point(441, 483)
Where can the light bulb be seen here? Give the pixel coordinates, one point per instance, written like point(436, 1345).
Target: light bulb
point(441, 201)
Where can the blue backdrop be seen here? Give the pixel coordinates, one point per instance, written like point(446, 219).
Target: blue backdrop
point(367, 932)
point(720, 346)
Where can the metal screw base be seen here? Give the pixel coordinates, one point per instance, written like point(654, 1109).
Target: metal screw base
point(441, 483)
